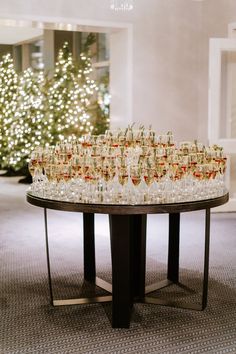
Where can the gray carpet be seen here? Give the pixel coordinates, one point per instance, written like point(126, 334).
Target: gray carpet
point(29, 325)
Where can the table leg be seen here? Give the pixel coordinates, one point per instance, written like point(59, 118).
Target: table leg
point(89, 247)
point(120, 233)
point(48, 257)
point(173, 251)
point(138, 232)
point(206, 259)
point(173, 267)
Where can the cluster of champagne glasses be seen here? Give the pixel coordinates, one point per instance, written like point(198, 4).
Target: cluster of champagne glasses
point(131, 166)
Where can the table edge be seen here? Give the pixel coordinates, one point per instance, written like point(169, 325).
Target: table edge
point(127, 209)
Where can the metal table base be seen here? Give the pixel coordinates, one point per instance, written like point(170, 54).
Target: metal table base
point(133, 229)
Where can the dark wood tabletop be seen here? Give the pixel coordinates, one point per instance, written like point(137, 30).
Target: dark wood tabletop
point(121, 209)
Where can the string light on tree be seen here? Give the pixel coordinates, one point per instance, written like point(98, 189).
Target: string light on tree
point(69, 96)
point(30, 127)
point(8, 104)
point(37, 111)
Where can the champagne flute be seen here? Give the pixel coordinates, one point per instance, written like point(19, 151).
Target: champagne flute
point(136, 179)
point(123, 175)
point(136, 175)
point(149, 177)
point(123, 179)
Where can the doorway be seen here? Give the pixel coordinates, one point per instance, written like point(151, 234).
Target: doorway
point(121, 44)
point(222, 107)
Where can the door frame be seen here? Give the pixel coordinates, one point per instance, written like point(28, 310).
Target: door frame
point(121, 56)
point(217, 47)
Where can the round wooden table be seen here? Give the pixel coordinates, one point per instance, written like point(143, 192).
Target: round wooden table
point(128, 251)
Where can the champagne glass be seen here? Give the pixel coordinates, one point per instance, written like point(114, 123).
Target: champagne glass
point(51, 177)
point(149, 173)
point(66, 175)
point(35, 169)
point(108, 171)
point(101, 140)
point(136, 178)
point(170, 139)
point(136, 175)
point(193, 162)
point(185, 147)
point(199, 175)
point(173, 167)
point(137, 137)
point(32, 166)
point(123, 175)
point(186, 185)
point(68, 148)
point(122, 140)
point(129, 137)
point(151, 137)
point(123, 179)
point(176, 176)
point(76, 165)
point(159, 176)
point(89, 181)
point(163, 140)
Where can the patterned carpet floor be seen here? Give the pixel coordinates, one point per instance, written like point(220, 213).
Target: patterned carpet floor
point(30, 325)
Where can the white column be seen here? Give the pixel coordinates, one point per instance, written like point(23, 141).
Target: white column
point(48, 51)
point(25, 56)
point(121, 48)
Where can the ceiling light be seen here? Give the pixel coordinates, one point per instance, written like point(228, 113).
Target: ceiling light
point(121, 5)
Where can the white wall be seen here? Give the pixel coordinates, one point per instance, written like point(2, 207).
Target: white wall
point(169, 54)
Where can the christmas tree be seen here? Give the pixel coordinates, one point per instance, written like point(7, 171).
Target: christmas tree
point(99, 108)
point(69, 96)
point(102, 109)
point(30, 128)
point(37, 111)
point(8, 105)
